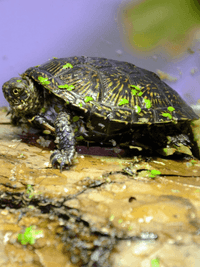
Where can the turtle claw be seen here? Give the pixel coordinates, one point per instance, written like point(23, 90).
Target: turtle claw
point(53, 162)
point(60, 160)
point(61, 166)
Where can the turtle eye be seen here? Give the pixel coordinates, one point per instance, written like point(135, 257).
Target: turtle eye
point(15, 91)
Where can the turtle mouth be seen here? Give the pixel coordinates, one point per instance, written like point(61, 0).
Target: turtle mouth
point(19, 106)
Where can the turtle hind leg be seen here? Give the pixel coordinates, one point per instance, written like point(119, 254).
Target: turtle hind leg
point(63, 156)
point(180, 139)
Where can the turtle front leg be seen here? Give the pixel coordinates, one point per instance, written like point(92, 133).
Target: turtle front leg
point(66, 141)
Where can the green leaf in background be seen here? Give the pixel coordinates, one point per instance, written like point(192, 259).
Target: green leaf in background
point(153, 23)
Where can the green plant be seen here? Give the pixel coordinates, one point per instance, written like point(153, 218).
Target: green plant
point(29, 236)
point(154, 173)
point(155, 262)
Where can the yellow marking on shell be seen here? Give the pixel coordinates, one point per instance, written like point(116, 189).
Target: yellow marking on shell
point(54, 67)
point(99, 115)
point(118, 114)
point(110, 84)
point(84, 89)
point(135, 101)
point(155, 102)
point(116, 120)
point(118, 83)
point(94, 75)
point(115, 97)
point(108, 109)
point(73, 81)
point(112, 98)
point(96, 86)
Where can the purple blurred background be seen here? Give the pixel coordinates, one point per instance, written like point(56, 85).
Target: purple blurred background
point(34, 31)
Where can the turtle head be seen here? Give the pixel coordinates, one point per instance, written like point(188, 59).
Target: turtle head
point(22, 95)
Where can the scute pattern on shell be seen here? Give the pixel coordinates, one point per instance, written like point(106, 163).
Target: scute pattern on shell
point(108, 82)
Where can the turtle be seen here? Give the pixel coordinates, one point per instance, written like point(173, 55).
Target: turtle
point(101, 101)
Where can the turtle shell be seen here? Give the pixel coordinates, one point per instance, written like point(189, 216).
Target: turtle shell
point(110, 89)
